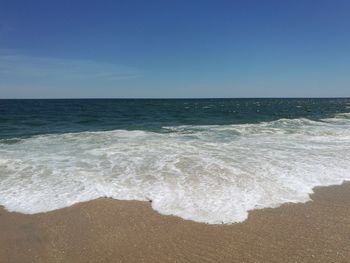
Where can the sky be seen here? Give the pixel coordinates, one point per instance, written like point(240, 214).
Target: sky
point(174, 49)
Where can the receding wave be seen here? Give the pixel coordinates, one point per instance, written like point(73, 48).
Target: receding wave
point(212, 174)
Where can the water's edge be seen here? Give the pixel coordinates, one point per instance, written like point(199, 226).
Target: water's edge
point(149, 202)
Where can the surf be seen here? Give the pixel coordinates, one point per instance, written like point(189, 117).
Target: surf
point(205, 173)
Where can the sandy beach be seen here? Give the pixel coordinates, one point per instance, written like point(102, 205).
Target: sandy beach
point(106, 230)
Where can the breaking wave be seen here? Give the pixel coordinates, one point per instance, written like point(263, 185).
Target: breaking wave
point(213, 174)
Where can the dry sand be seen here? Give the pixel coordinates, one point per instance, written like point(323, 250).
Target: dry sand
point(107, 230)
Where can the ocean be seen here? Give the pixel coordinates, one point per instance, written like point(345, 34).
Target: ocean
point(207, 160)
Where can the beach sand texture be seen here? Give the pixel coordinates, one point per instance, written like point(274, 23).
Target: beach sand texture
point(107, 230)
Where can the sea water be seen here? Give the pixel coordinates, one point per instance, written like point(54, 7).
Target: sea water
point(207, 160)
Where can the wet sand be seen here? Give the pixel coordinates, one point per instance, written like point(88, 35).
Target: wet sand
point(106, 230)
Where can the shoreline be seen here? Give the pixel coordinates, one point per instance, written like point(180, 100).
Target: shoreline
point(108, 230)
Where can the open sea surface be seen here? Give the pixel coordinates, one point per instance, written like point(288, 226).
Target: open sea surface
point(207, 160)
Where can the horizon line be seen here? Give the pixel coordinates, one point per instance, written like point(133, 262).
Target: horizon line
point(171, 98)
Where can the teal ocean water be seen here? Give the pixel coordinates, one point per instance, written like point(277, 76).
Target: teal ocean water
point(208, 160)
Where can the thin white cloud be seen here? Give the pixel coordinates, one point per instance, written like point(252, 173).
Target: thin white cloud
point(42, 77)
point(43, 69)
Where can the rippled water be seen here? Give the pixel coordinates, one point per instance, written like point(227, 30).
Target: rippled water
point(205, 160)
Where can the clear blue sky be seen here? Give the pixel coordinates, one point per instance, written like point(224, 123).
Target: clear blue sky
point(146, 48)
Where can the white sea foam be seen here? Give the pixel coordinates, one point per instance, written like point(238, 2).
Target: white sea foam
point(210, 174)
